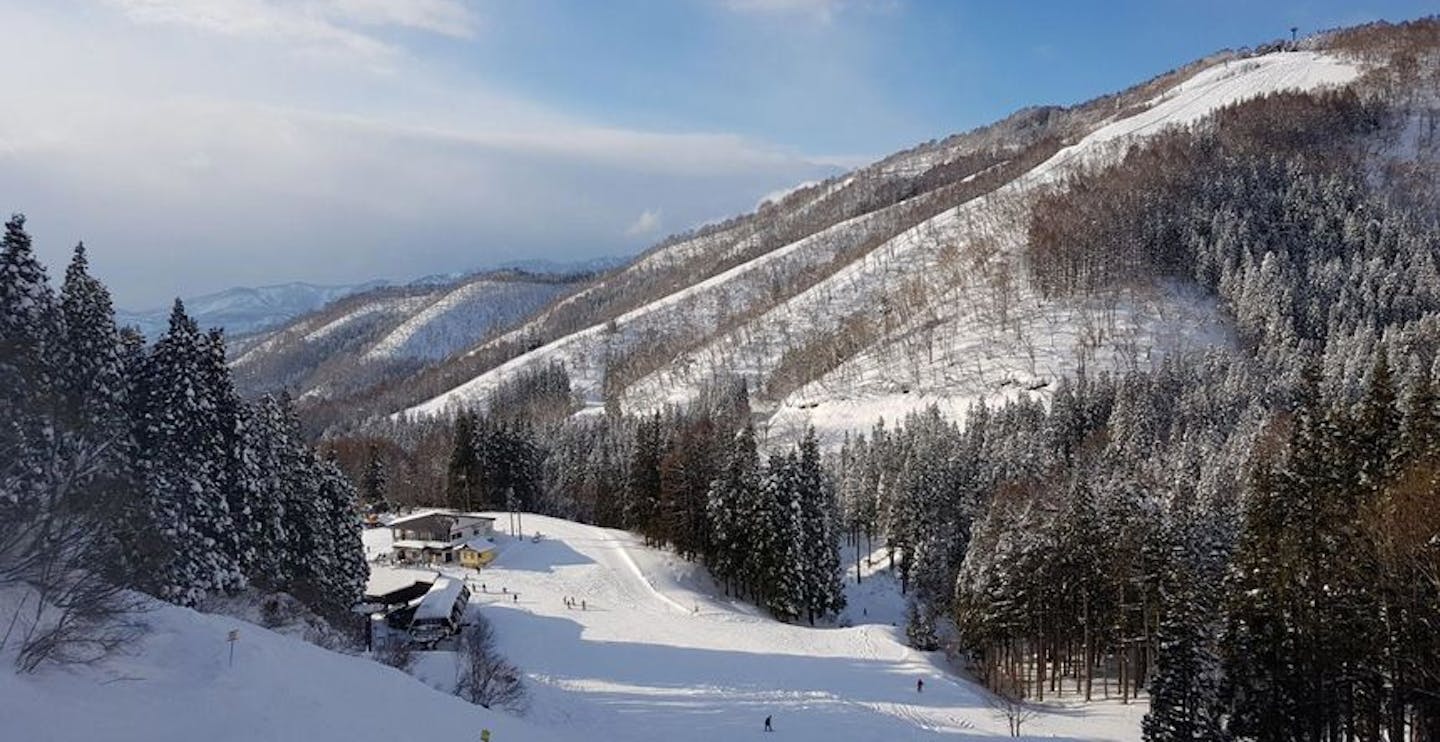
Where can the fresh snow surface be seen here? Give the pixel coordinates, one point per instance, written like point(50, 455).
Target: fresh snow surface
point(177, 685)
point(959, 295)
point(660, 654)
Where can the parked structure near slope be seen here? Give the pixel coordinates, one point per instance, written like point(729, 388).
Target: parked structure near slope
point(440, 612)
point(442, 537)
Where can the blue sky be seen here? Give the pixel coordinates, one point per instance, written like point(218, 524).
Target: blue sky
point(200, 144)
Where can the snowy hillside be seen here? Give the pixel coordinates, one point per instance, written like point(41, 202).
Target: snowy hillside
point(904, 315)
point(459, 317)
point(178, 684)
point(374, 336)
point(658, 654)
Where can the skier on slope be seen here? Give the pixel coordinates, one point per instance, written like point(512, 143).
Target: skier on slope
point(920, 685)
point(768, 728)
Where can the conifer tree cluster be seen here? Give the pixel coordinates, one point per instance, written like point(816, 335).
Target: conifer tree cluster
point(773, 530)
point(687, 478)
point(1249, 534)
point(175, 485)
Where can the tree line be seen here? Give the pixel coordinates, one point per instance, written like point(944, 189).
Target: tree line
point(126, 466)
point(689, 478)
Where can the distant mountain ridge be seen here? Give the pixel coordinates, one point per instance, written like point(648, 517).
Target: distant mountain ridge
point(246, 309)
point(243, 310)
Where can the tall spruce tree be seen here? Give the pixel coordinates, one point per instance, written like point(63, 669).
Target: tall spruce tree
point(186, 529)
point(729, 514)
point(28, 335)
point(824, 589)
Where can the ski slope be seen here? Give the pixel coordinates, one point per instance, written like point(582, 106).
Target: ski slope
point(946, 276)
point(658, 654)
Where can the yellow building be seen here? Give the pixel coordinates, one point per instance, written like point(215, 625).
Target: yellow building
point(476, 553)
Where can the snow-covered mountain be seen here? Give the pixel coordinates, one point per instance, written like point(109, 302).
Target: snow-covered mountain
point(242, 310)
point(245, 310)
point(385, 333)
point(897, 286)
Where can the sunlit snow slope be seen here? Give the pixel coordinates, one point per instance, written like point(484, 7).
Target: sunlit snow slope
point(658, 654)
point(954, 319)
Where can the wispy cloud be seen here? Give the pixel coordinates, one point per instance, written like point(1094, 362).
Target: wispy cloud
point(823, 11)
point(648, 223)
point(325, 26)
point(819, 9)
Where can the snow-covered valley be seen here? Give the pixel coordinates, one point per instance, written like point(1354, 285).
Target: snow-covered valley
point(659, 653)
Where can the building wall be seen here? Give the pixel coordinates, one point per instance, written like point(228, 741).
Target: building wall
point(472, 558)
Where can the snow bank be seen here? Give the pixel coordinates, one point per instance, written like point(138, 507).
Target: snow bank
point(177, 684)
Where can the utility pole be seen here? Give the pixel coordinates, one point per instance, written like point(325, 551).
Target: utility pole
point(512, 506)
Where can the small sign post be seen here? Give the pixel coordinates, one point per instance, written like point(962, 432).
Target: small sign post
point(232, 637)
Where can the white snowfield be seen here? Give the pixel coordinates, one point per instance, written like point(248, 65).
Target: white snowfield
point(177, 685)
point(963, 323)
point(658, 653)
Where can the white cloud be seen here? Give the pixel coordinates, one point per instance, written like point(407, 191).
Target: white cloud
point(445, 17)
point(190, 167)
point(644, 225)
point(328, 26)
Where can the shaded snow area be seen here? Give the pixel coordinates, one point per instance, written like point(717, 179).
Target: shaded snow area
point(178, 684)
point(461, 317)
point(658, 653)
point(953, 317)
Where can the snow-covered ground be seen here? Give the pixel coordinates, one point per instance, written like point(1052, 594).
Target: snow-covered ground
point(659, 654)
point(177, 685)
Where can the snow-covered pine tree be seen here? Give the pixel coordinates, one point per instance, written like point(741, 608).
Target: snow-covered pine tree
point(1185, 691)
point(90, 375)
point(28, 334)
point(237, 473)
point(780, 556)
point(306, 515)
point(824, 590)
point(273, 533)
point(339, 565)
point(187, 524)
point(92, 421)
point(727, 513)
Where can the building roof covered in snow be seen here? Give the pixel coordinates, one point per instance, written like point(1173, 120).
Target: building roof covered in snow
point(440, 601)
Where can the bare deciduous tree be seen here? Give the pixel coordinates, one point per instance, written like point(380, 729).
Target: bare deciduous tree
point(54, 545)
point(483, 676)
point(1009, 701)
